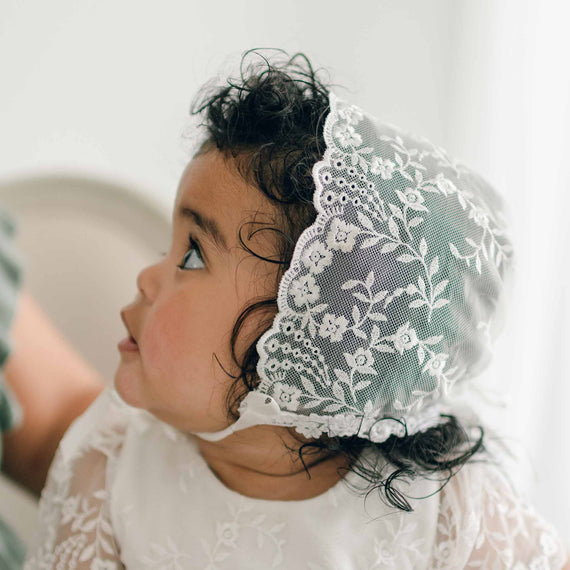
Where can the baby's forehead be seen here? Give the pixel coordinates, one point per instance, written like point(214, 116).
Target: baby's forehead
point(212, 187)
point(208, 175)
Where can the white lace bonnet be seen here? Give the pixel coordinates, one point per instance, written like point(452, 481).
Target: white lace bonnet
point(393, 295)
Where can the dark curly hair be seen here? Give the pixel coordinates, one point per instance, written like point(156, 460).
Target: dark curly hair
point(269, 123)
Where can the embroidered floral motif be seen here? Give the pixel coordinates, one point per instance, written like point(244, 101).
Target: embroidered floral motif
point(361, 361)
point(316, 257)
point(347, 135)
point(404, 338)
point(305, 290)
point(412, 198)
point(287, 396)
point(436, 364)
point(227, 534)
point(384, 167)
point(333, 327)
point(341, 236)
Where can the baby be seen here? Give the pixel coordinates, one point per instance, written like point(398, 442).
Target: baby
point(287, 394)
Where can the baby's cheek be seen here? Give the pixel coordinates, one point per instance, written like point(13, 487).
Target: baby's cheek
point(182, 336)
point(170, 341)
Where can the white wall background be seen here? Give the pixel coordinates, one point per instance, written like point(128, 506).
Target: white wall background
point(105, 86)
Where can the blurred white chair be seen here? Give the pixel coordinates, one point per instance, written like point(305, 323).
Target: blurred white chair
point(83, 242)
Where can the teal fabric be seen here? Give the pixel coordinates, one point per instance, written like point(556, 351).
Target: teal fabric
point(12, 550)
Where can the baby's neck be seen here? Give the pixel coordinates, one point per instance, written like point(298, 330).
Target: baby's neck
point(258, 465)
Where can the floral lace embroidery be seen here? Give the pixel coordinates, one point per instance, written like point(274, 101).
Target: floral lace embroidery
point(227, 540)
point(75, 527)
point(476, 521)
point(497, 530)
point(399, 549)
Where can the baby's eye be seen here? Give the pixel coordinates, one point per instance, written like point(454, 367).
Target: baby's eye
point(193, 255)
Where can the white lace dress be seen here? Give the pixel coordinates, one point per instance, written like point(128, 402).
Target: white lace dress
point(127, 490)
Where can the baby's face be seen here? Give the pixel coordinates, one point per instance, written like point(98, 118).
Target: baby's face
point(181, 317)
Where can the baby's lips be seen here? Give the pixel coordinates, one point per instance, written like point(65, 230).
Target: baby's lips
point(124, 319)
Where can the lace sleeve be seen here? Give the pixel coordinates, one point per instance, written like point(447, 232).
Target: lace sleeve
point(484, 524)
point(75, 529)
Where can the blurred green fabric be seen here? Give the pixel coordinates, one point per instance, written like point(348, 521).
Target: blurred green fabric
point(12, 549)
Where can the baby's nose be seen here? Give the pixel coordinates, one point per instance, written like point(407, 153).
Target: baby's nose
point(147, 282)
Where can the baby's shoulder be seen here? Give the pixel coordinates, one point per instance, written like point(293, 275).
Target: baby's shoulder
point(74, 518)
point(108, 423)
point(484, 521)
point(92, 451)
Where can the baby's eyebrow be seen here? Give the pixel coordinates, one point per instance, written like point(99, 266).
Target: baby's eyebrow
point(208, 225)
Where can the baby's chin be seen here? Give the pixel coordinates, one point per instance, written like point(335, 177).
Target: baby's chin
point(131, 390)
point(128, 387)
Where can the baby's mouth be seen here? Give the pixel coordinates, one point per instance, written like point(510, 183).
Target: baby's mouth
point(131, 338)
point(128, 344)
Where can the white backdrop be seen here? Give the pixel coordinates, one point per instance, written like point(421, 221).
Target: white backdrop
point(105, 85)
